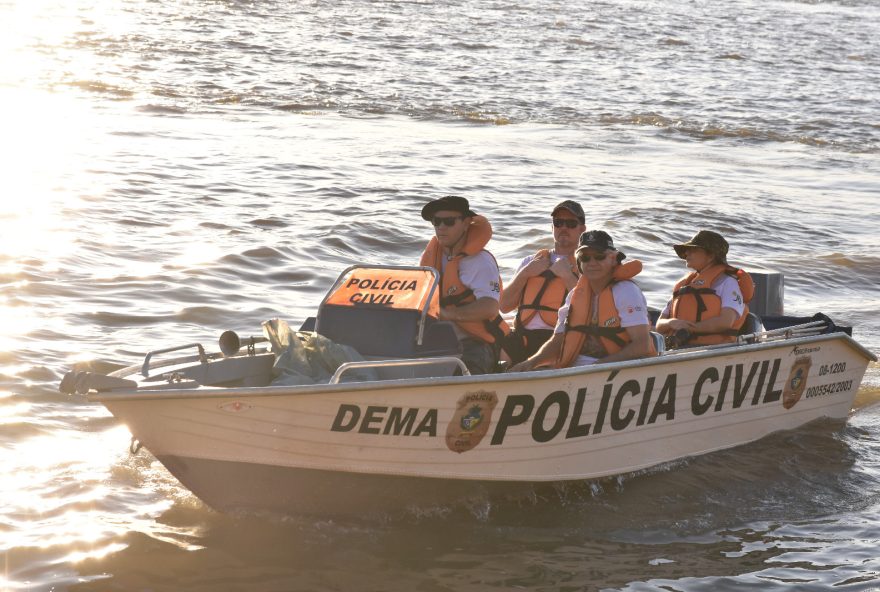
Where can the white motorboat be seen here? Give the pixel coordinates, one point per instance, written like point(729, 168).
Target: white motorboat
point(421, 431)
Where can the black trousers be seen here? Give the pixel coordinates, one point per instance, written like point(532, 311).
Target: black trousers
point(532, 340)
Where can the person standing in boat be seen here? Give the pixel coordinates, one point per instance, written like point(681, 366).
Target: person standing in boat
point(709, 305)
point(543, 280)
point(605, 316)
point(470, 284)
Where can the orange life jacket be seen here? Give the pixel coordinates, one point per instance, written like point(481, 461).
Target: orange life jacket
point(693, 299)
point(453, 292)
point(542, 295)
point(607, 327)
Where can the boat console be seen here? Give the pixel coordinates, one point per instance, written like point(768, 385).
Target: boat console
point(385, 312)
point(389, 315)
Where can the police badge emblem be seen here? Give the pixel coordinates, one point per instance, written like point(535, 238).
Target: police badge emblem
point(797, 381)
point(470, 422)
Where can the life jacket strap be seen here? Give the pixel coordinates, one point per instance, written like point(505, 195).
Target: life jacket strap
point(691, 290)
point(455, 299)
point(698, 296)
point(510, 342)
point(611, 333)
point(494, 328)
point(514, 347)
point(533, 305)
point(538, 307)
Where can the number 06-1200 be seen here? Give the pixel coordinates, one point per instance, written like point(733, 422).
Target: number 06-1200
point(836, 368)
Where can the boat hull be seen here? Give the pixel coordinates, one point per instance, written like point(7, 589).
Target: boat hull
point(354, 448)
point(240, 486)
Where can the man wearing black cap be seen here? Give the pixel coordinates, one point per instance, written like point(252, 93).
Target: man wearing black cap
point(470, 284)
point(543, 280)
point(605, 316)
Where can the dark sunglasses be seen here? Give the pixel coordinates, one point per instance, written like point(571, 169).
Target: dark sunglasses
point(567, 222)
point(598, 257)
point(447, 220)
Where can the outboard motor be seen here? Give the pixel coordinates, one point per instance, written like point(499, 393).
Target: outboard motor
point(769, 294)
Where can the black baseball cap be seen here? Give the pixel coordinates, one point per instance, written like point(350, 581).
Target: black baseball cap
point(598, 240)
point(573, 207)
point(447, 202)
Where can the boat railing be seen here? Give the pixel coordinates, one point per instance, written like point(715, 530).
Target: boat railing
point(809, 329)
point(803, 330)
point(145, 369)
point(343, 368)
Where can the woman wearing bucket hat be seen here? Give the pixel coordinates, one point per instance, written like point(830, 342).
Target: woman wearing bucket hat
point(605, 316)
point(709, 305)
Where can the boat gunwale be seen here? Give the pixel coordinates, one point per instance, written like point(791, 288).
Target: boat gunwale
point(475, 380)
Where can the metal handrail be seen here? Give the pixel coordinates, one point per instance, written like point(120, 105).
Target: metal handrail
point(145, 369)
point(810, 329)
point(802, 330)
point(394, 363)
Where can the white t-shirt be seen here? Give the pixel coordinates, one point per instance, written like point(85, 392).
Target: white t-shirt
point(536, 322)
point(479, 273)
point(631, 306)
point(725, 287)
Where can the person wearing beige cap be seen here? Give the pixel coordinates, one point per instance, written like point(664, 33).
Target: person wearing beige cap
point(543, 280)
point(709, 305)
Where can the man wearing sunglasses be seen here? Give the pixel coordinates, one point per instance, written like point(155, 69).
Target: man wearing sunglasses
point(604, 318)
point(543, 280)
point(470, 284)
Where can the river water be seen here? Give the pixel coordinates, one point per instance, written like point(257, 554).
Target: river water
point(174, 169)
